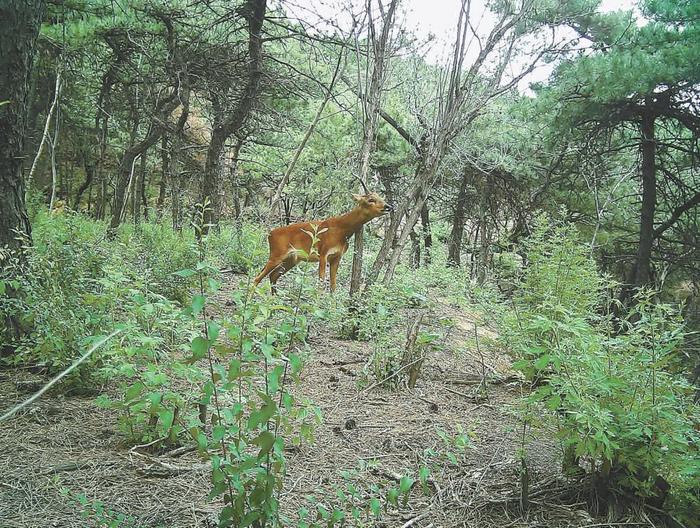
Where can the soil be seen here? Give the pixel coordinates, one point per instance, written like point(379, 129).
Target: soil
point(67, 442)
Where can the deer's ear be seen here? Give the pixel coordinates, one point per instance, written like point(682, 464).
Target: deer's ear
point(357, 197)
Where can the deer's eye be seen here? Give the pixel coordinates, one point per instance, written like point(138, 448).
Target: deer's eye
point(371, 200)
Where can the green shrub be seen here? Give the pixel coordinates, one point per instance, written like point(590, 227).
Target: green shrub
point(617, 403)
point(241, 248)
point(153, 252)
point(78, 284)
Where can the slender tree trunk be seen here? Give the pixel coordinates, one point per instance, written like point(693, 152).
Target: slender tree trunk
point(389, 242)
point(139, 189)
point(21, 20)
point(371, 102)
point(425, 181)
point(163, 185)
point(87, 184)
point(45, 134)
point(484, 229)
point(174, 183)
point(144, 187)
point(233, 175)
point(102, 126)
point(646, 223)
point(454, 244)
point(53, 144)
point(415, 249)
point(427, 234)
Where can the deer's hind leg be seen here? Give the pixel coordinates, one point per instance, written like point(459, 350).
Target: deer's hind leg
point(334, 261)
point(283, 267)
point(271, 265)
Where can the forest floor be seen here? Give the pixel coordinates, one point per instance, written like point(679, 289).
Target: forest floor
point(68, 442)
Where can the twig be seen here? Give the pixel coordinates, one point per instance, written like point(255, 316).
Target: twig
point(62, 375)
point(149, 444)
point(413, 521)
point(162, 469)
point(180, 451)
point(471, 397)
point(391, 375)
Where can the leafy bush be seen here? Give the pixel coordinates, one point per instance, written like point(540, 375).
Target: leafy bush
point(79, 284)
point(616, 403)
point(153, 252)
point(240, 248)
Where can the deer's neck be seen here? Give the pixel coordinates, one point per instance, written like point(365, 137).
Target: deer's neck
point(351, 222)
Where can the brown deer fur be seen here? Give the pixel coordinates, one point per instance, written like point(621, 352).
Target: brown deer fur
point(291, 244)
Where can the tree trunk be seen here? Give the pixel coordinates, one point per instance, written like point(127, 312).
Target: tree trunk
point(424, 181)
point(233, 175)
point(454, 244)
point(174, 183)
point(389, 242)
point(164, 109)
point(102, 127)
point(125, 174)
point(45, 134)
point(371, 102)
point(646, 224)
point(21, 20)
point(212, 182)
point(415, 249)
point(254, 11)
point(484, 229)
point(163, 185)
point(89, 178)
point(427, 234)
point(19, 29)
point(53, 143)
point(140, 189)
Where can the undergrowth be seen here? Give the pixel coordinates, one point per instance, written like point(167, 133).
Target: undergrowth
point(612, 388)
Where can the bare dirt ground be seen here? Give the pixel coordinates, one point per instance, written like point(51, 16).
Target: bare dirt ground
point(68, 442)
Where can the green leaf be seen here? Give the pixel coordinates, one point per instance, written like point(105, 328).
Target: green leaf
point(554, 402)
point(166, 418)
point(392, 496)
point(405, 484)
point(542, 362)
point(185, 273)
point(214, 285)
point(198, 302)
point(521, 364)
point(199, 347)
point(213, 330)
point(264, 441)
point(262, 415)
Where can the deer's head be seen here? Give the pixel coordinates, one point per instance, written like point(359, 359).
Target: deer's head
point(372, 204)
